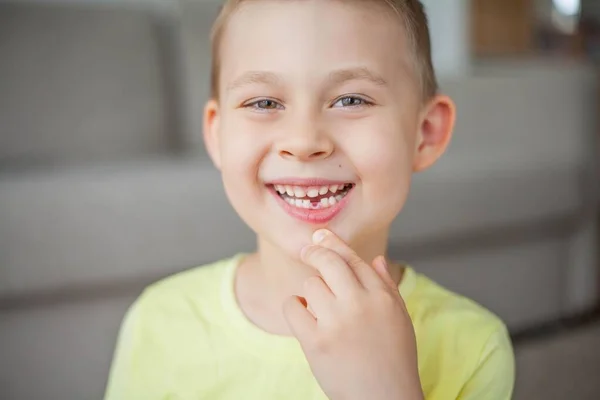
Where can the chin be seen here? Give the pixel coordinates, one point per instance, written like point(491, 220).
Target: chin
point(289, 245)
point(292, 244)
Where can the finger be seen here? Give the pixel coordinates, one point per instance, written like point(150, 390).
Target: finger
point(381, 267)
point(300, 321)
point(333, 269)
point(363, 271)
point(318, 296)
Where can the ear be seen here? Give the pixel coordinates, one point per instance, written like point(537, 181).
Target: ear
point(211, 131)
point(435, 131)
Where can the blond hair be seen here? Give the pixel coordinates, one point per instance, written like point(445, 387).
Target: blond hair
point(411, 13)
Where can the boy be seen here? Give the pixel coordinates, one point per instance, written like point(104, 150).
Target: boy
point(320, 112)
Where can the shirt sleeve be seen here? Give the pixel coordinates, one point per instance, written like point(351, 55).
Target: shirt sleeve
point(123, 358)
point(494, 377)
point(135, 373)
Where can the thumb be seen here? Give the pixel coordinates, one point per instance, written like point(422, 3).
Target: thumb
point(381, 267)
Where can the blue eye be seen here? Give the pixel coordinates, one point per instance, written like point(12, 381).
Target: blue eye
point(264, 105)
point(351, 101)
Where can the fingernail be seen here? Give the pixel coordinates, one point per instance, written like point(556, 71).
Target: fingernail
point(319, 235)
point(384, 262)
point(380, 262)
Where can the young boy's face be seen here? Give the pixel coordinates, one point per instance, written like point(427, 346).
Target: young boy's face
point(319, 100)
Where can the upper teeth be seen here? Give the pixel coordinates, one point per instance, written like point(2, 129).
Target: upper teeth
point(312, 191)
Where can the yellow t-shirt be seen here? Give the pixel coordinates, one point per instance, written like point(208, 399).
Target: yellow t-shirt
point(186, 338)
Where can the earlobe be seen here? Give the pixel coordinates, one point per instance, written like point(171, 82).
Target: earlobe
point(211, 131)
point(435, 131)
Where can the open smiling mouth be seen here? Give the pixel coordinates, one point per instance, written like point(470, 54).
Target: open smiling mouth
point(313, 197)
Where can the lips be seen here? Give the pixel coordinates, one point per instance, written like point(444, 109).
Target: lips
point(311, 200)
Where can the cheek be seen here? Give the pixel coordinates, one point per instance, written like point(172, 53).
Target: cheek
point(383, 162)
point(382, 158)
point(241, 149)
point(241, 154)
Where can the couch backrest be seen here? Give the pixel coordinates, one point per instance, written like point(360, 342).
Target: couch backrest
point(83, 83)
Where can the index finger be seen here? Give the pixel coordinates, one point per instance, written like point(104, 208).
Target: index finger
point(365, 273)
point(334, 270)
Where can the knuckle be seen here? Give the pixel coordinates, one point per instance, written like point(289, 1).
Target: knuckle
point(322, 343)
point(314, 252)
point(355, 262)
point(358, 306)
point(385, 299)
point(312, 283)
point(329, 256)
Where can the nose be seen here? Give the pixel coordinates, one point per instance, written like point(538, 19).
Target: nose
point(306, 142)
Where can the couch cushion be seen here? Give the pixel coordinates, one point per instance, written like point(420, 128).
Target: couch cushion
point(100, 225)
point(59, 351)
point(81, 83)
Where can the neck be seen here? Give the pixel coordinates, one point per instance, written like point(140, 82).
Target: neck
point(267, 278)
point(284, 274)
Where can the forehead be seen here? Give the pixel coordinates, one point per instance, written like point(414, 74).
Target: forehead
point(309, 38)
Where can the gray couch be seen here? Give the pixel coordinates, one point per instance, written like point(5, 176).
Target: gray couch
point(105, 187)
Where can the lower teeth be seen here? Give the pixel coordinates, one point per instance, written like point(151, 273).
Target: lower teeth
point(325, 202)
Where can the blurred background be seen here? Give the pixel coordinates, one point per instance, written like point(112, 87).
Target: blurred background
point(105, 186)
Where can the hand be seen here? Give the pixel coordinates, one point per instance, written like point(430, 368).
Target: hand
point(357, 337)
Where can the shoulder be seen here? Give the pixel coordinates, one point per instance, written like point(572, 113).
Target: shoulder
point(195, 292)
point(433, 305)
point(451, 327)
point(161, 330)
point(169, 315)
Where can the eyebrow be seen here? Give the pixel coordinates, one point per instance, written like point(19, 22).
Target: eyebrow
point(351, 74)
point(253, 77)
point(335, 78)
